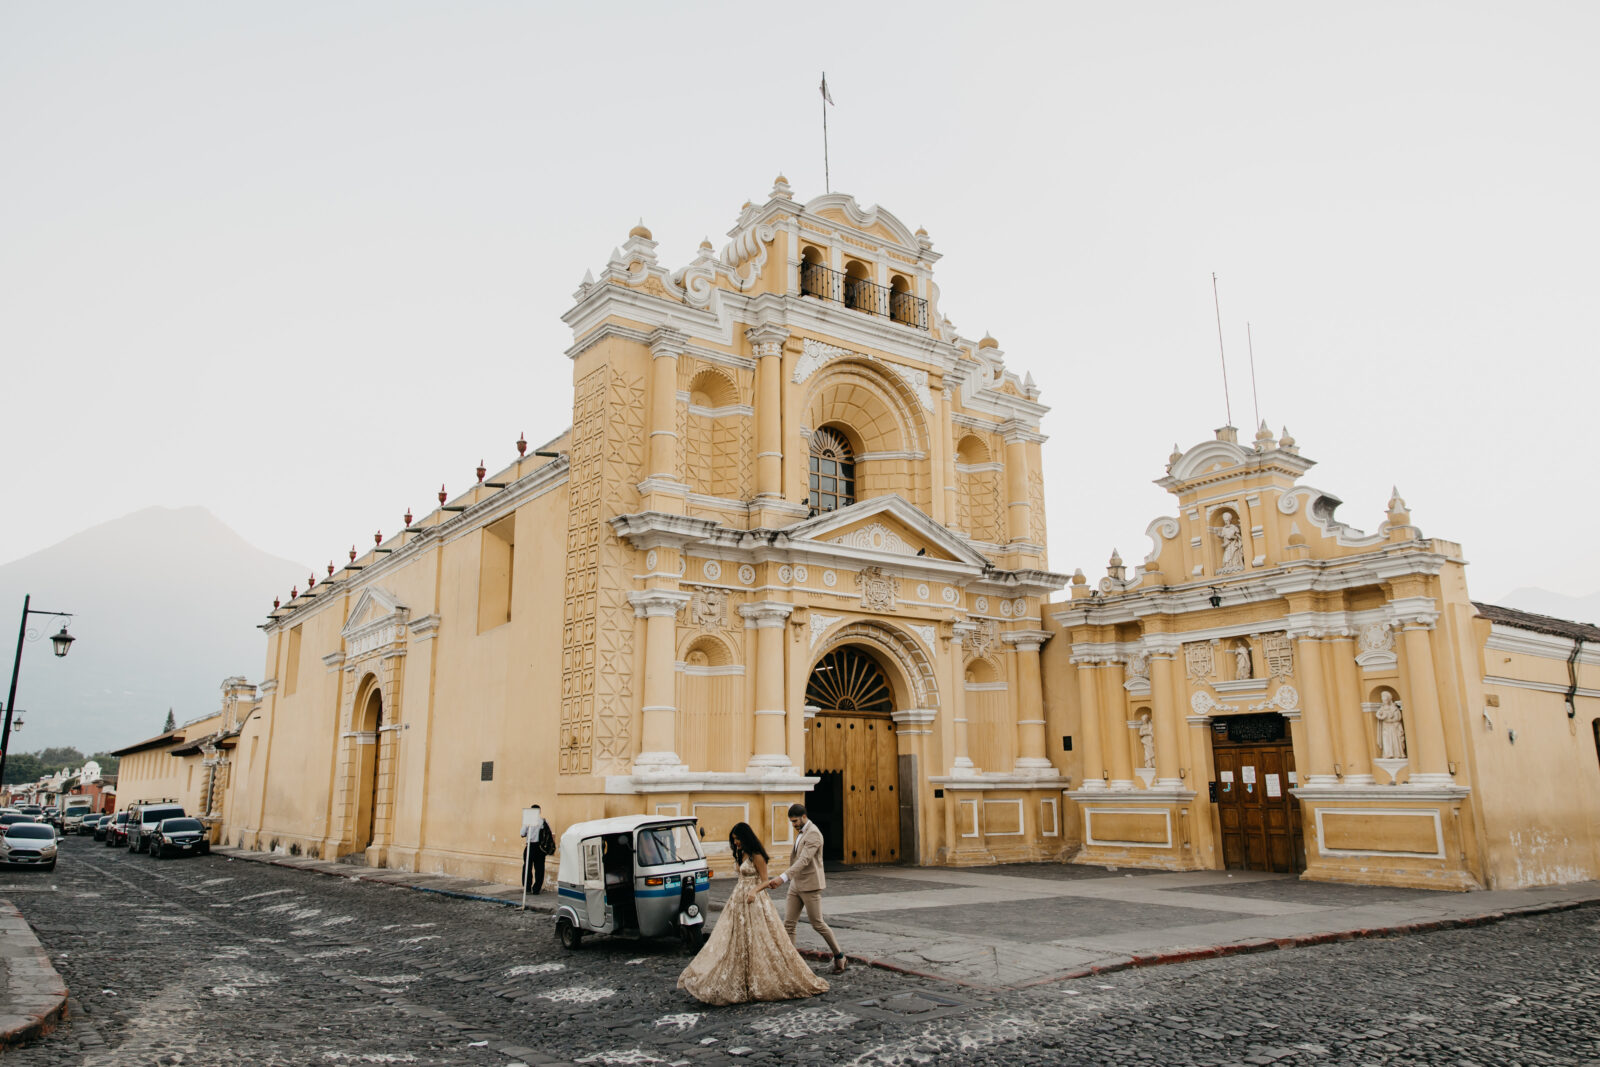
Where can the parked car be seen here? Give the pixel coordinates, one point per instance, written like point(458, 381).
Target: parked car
point(98, 830)
point(179, 837)
point(117, 830)
point(143, 819)
point(15, 817)
point(29, 809)
point(51, 815)
point(28, 844)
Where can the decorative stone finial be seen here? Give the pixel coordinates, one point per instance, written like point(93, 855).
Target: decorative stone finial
point(275, 603)
point(408, 518)
point(705, 244)
point(988, 341)
point(443, 496)
point(522, 444)
point(352, 553)
point(1229, 434)
point(641, 230)
point(1114, 566)
point(1286, 440)
point(482, 470)
point(1078, 578)
point(1264, 436)
point(330, 568)
point(780, 188)
point(1177, 454)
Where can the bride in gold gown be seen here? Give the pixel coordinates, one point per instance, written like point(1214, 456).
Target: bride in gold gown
point(749, 955)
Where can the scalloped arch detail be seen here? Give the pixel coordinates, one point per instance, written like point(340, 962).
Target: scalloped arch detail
point(863, 217)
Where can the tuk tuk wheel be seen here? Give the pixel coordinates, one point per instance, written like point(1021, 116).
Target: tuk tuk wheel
point(693, 937)
point(570, 936)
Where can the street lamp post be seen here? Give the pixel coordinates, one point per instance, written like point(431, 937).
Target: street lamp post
point(61, 642)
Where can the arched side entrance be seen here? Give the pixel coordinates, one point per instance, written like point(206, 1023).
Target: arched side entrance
point(851, 748)
point(368, 722)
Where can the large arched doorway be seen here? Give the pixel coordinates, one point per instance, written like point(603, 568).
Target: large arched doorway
point(851, 749)
point(367, 747)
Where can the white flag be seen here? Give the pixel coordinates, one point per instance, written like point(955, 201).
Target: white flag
point(824, 87)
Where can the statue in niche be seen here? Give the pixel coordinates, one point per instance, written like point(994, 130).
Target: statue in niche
point(1241, 661)
point(1391, 728)
point(1231, 540)
point(1147, 738)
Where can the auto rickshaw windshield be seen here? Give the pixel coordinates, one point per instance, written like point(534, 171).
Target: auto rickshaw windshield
point(668, 844)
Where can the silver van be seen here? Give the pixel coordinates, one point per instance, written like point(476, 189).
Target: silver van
point(142, 820)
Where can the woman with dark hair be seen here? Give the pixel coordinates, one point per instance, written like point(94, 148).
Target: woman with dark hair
point(749, 955)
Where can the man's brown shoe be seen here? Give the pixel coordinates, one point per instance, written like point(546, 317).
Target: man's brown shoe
point(838, 965)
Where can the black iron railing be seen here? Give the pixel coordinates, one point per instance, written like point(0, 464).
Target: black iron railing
point(898, 305)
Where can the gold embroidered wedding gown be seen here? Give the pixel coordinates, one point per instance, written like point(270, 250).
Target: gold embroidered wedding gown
point(748, 955)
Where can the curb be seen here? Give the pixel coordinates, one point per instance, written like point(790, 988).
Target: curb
point(534, 904)
point(33, 1001)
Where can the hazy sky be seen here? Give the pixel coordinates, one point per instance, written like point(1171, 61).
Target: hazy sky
point(301, 262)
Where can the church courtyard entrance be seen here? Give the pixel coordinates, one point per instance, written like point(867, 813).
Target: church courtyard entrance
point(1260, 819)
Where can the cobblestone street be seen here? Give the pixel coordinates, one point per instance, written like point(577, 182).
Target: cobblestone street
point(213, 961)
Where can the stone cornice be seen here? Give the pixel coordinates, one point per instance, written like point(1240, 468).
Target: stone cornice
point(1393, 794)
point(1026, 640)
point(764, 614)
point(658, 529)
point(650, 603)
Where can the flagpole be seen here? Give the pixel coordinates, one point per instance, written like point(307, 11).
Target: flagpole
point(827, 182)
point(1217, 303)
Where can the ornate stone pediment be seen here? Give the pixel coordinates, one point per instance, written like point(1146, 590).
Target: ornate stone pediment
point(890, 525)
point(377, 621)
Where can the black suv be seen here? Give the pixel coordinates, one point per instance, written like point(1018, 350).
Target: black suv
point(179, 837)
point(143, 819)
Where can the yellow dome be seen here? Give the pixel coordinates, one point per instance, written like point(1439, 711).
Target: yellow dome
point(988, 342)
point(641, 231)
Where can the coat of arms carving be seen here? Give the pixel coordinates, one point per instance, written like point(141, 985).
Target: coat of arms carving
point(1199, 660)
point(877, 589)
point(709, 607)
point(1280, 655)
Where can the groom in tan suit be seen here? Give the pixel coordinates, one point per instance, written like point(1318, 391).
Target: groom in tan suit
point(806, 882)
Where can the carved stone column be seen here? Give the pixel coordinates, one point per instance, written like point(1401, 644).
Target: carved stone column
point(1031, 759)
point(665, 346)
point(767, 617)
point(1120, 754)
point(1318, 715)
point(1162, 666)
point(659, 608)
point(1089, 716)
point(1354, 749)
point(961, 757)
point(767, 343)
point(1019, 507)
point(1424, 726)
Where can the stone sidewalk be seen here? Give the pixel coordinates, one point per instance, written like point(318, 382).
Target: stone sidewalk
point(1020, 925)
point(33, 998)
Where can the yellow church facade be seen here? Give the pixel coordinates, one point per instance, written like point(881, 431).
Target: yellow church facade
point(1272, 689)
point(790, 549)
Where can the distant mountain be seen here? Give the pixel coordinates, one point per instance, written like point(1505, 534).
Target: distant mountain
point(1571, 608)
point(165, 605)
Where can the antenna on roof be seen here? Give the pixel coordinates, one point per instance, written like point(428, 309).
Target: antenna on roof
point(827, 98)
point(1253, 398)
point(1216, 303)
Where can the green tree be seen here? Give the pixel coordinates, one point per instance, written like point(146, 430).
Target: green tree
point(60, 758)
point(172, 723)
point(23, 767)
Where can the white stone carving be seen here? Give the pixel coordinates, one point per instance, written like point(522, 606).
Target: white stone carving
point(709, 607)
point(1005, 608)
point(1242, 667)
point(1139, 665)
point(1019, 607)
point(1375, 646)
point(801, 574)
point(712, 570)
point(820, 624)
point(1286, 699)
point(981, 604)
point(815, 354)
point(985, 632)
point(747, 574)
point(830, 579)
point(1164, 528)
point(650, 560)
point(1391, 728)
point(927, 635)
point(950, 596)
point(1198, 660)
point(875, 536)
point(923, 592)
point(1279, 652)
point(1203, 703)
point(877, 589)
point(1230, 542)
point(1147, 738)
point(785, 574)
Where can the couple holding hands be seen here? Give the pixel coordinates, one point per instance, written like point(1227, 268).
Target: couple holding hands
point(751, 954)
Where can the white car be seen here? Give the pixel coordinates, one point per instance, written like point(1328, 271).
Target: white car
point(30, 844)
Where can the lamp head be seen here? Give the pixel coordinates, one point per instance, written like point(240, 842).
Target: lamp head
point(62, 641)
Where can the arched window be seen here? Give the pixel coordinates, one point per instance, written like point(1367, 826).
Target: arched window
point(848, 679)
point(859, 292)
point(902, 302)
point(814, 274)
point(833, 470)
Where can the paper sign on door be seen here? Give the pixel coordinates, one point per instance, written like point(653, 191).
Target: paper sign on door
point(1247, 775)
point(1273, 789)
point(1227, 776)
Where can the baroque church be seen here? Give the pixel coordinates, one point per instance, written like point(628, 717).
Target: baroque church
point(792, 548)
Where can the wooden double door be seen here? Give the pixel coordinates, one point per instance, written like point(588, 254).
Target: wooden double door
point(1261, 829)
point(856, 803)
